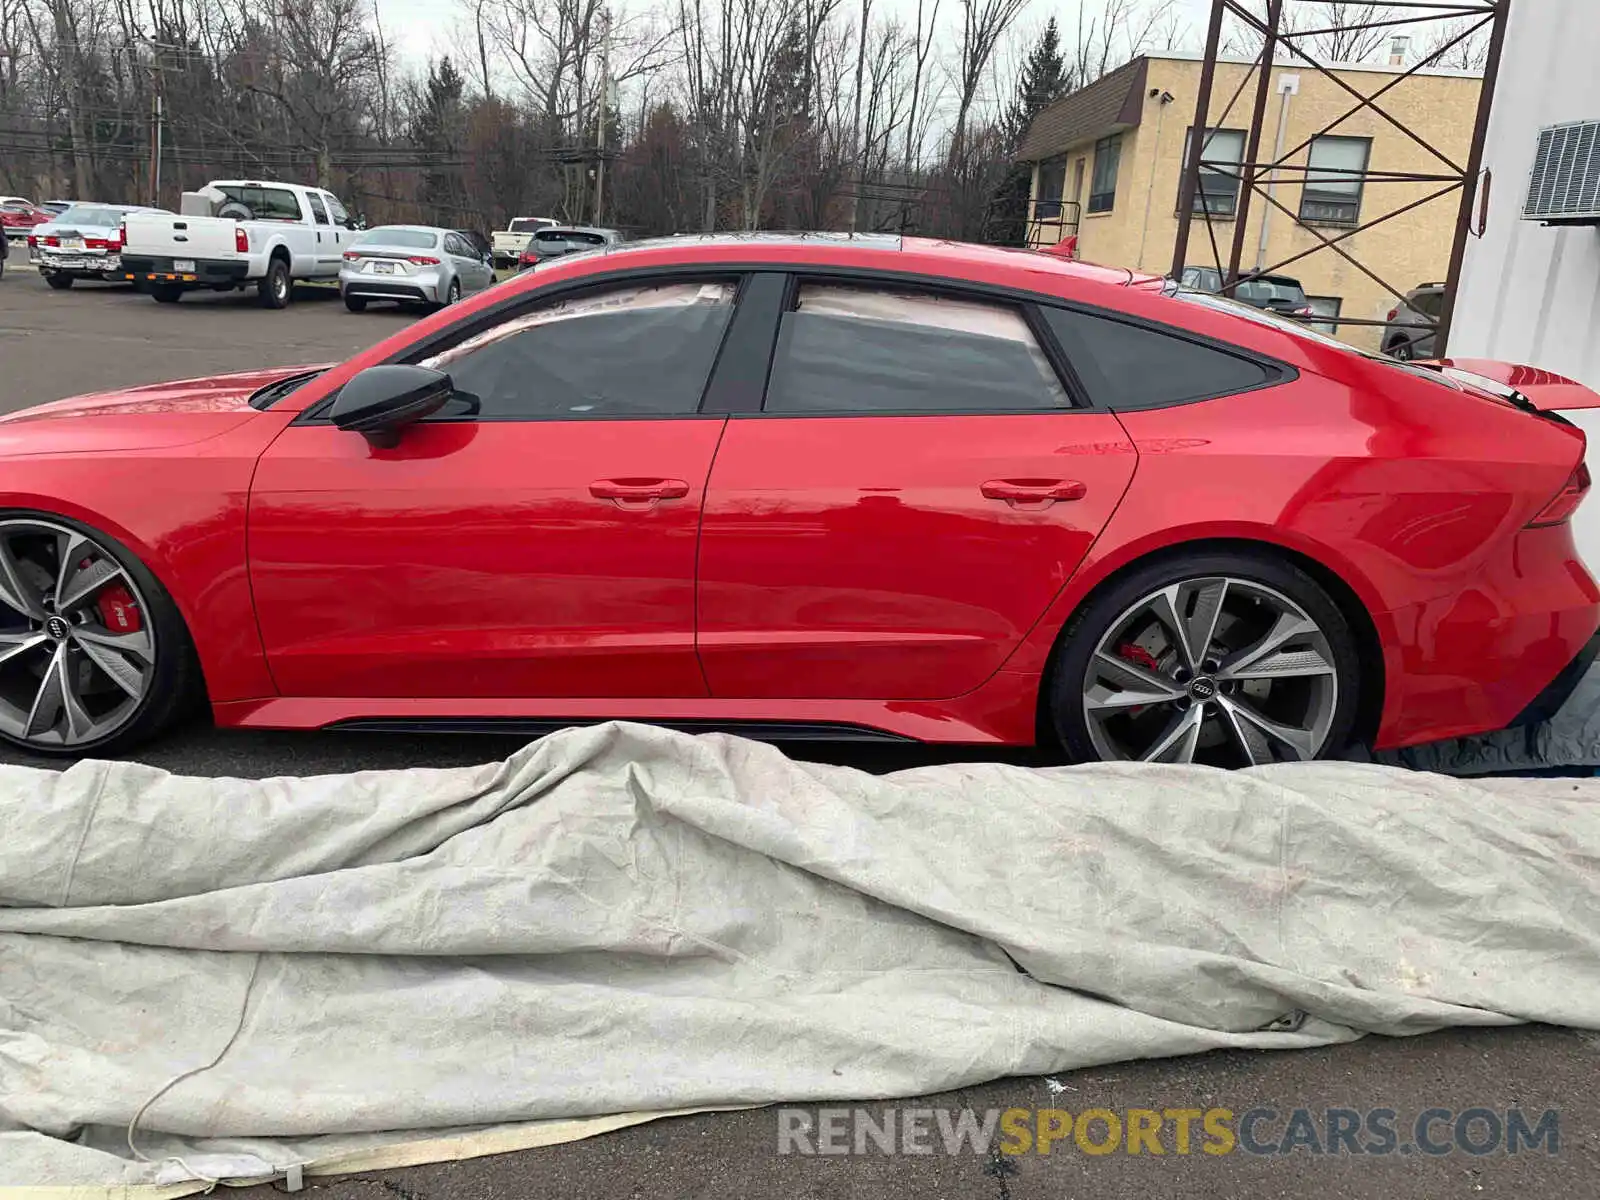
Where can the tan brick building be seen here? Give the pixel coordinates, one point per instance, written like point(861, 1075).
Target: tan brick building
point(1108, 162)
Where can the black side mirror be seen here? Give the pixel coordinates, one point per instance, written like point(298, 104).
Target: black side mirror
point(380, 402)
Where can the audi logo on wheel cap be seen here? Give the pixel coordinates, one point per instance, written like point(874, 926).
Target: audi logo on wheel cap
point(1203, 688)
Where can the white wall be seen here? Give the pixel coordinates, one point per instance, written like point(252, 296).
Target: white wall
point(1531, 294)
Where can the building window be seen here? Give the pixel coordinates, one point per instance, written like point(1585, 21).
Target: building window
point(1218, 193)
point(1332, 193)
point(1047, 201)
point(1326, 309)
point(1103, 187)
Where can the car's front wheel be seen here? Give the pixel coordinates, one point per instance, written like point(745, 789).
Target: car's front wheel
point(94, 656)
point(1225, 659)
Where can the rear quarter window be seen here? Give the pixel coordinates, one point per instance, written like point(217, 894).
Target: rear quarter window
point(1131, 366)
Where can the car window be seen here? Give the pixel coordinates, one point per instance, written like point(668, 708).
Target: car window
point(1265, 289)
point(1131, 366)
point(634, 351)
point(389, 235)
point(84, 215)
point(337, 210)
point(265, 203)
point(859, 349)
point(527, 225)
point(1429, 304)
point(318, 213)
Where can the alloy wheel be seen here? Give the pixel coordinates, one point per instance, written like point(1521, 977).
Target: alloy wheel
point(1217, 670)
point(77, 651)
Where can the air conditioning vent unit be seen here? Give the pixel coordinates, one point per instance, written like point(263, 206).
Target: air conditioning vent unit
point(1564, 188)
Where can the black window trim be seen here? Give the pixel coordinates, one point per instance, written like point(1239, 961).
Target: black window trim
point(1276, 372)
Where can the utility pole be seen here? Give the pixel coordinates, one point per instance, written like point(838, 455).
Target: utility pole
point(605, 102)
point(155, 146)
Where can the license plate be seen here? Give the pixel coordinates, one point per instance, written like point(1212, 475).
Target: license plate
point(383, 268)
point(183, 264)
point(72, 243)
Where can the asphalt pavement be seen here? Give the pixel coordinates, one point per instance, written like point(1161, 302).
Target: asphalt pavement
point(97, 337)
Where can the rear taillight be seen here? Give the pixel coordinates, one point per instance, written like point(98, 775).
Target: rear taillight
point(1393, 313)
point(241, 240)
point(422, 260)
point(33, 242)
point(1566, 501)
point(351, 256)
point(52, 241)
point(114, 242)
point(95, 243)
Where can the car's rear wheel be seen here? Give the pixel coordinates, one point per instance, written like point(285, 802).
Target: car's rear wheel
point(58, 281)
point(453, 294)
point(356, 303)
point(1224, 659)
point(1402, 350)
point(94, 656)
point(276, 289)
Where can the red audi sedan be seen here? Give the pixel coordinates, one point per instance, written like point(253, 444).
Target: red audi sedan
point(815, 486)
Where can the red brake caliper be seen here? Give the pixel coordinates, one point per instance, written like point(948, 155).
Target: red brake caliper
point(1139, 657)
point(119, 610)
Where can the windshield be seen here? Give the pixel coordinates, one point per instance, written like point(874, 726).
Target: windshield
point(408, 239)
point(1263, 290)
point(105, 218)
point(527, 224)
point(567, 239)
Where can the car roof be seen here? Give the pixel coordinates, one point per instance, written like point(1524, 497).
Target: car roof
point(412, 229)
point(576, 229)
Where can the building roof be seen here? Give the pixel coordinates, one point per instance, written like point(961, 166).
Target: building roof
point(1111, 103)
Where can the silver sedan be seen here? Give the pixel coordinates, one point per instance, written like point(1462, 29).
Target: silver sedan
point(412, 264)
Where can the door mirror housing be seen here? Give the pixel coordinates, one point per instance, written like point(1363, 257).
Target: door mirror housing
point(380, 402)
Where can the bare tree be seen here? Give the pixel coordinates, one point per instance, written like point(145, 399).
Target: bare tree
point(983, 23)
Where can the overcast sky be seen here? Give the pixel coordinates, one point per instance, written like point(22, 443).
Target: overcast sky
point(425, 28)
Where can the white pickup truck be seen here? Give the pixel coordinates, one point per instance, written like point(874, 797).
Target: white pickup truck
point(510, 242)
point(233, 233)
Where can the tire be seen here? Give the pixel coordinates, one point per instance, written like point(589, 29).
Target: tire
point(165, 663)
point(276, 289)
point(453, 293)
point(166, 293)
point(1306, 687)
point(356, 303)
point(58, 281)
point(1403, 351)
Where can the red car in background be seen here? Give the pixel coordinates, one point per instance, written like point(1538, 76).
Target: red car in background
point(807, 486)
point(19, 216)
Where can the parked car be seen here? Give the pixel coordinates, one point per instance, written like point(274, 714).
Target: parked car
point(1279, 293)
point(412, 264)
point(1413, 322)
point(561, 240)
point(235, 234)
point(510, 242)
point(18, 217)
point(839, 487)
point(85, 242)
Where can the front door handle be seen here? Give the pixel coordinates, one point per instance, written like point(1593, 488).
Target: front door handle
point(638, 493)
point(1033, 493)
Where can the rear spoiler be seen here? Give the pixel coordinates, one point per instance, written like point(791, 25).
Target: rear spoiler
point(1528, 388)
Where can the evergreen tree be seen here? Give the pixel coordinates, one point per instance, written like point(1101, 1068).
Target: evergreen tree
point(439, 131)
point(1044, 80)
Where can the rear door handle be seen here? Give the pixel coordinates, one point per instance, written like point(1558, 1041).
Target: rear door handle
point(638, 493)
point(1033, 493)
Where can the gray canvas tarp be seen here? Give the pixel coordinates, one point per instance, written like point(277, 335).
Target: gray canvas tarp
point(623, 919)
